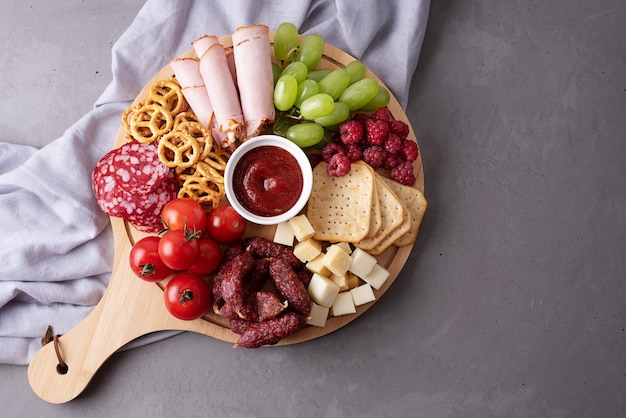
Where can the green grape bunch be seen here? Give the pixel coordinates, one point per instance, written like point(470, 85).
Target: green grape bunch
point(312, 102)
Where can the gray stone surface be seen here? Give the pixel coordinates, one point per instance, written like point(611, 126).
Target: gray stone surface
point(513, 302)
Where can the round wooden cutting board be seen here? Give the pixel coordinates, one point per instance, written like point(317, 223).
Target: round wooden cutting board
point(131, 307)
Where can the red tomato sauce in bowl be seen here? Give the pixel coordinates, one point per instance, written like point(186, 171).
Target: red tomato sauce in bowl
point(267, 181)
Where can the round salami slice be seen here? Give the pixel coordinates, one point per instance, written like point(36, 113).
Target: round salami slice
point(130, 182)
point(147, 214)
point(138, 167)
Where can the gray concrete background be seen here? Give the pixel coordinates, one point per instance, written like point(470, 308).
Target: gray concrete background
point(513, 301)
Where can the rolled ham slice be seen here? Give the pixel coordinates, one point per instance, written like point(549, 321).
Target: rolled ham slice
point(203, 43)
point(187, 72)
point(253, 63)
point(222, 93)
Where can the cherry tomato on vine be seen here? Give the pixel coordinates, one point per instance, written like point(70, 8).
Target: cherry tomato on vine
point(187, 296)
point(145, 261)
point(225, 225)
point(184, 212)
point(179, 249)
point(209, 257)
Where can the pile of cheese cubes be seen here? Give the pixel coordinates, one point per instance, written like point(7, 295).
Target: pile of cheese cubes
point(335, 287)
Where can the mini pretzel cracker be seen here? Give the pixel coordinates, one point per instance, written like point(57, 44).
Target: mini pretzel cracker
point(183, 117)
point(149, 122)
point(209, 172)
point(199, 133)
point(177, 149)
point(168, 94)
point(203, 190)
point(217, 159)
point(126, 121)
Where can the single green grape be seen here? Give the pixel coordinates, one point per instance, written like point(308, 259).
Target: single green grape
point(357, 71)
point(381, 99)
point(335, 82)
point(316, 106)
point(297, 69)
point(305, 134)
point(310, 51)
point(285, 92)
point(359, 94)
point(285, 40)
point(276, 72)
point(318, 74)
point(306, 89)
point(340, 113)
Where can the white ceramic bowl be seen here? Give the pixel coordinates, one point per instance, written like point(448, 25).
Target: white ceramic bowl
point(285, 144)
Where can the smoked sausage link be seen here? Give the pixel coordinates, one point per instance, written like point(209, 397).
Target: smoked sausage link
point(289, 285)
point(270, 332)
point(261, 247)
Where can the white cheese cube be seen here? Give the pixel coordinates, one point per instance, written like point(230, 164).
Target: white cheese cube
point(319, 315)
point(316, 265)
point(353, 281)
point(284, 234)
point(362, 294)
point(362, 262)
point(301, 227)
point(377, 277)
point(307, 250)
point(337, 260)
point(345, 246)
point(341, 281)
point(343, 305)
point(322, 290)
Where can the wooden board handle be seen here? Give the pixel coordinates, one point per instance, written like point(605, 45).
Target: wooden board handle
point(129, 309)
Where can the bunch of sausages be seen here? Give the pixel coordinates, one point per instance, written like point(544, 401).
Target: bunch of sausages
point(262, 317)
point(230, 89)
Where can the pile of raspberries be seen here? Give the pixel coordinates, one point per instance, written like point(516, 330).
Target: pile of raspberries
point(379, 141)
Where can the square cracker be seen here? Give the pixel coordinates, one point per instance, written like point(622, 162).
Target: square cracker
point(394, 235)
point(340, 208)
point(392, 213)
point(376, 219)
point(416, 204)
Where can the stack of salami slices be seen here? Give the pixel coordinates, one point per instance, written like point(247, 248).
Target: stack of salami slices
point(131, 182)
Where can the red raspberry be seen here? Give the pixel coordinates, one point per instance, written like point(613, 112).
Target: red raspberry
point(331, 149)
point(382, 114)
point(403, 173)
point(351, 132)
point(353, 151)
point(399, 128)
point(374, 155)
point(392, 160)
point(376, 131)
point(339, 165)
point(361, 117)
point(409, 150)
point(393, 143)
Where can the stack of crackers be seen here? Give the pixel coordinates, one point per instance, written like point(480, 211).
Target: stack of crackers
point(364, 208)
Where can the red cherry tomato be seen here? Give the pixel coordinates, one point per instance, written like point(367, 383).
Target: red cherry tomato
point(209, 257)
point(145, 261)
point(179, 249)
point(225, 224)
point(187, 296)
point(184, 212)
